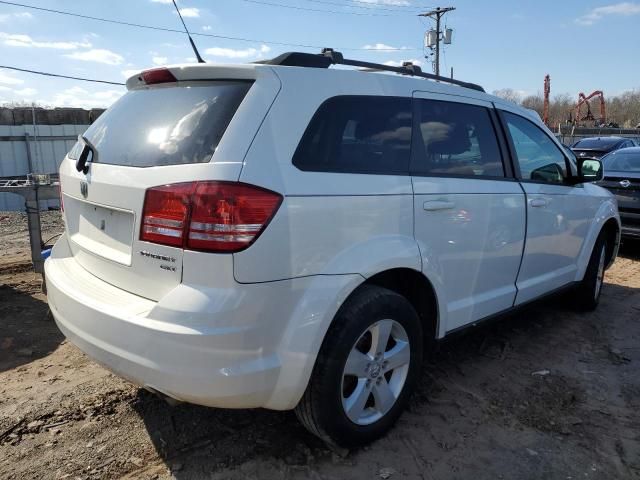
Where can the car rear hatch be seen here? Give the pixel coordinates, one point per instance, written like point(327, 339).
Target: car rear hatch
point(175, 125)
point(588, 153)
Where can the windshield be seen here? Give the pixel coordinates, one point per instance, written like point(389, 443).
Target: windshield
point(622, 161)
point(166, 125)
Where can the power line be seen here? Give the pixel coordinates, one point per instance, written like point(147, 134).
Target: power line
point(368, 2)
point(293, 7)
point(372, 5)
point(323, 2)
point(47, 74)
point(173, 30)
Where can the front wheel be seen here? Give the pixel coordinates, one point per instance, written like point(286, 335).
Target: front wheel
point(588, 291)
point(366, 369)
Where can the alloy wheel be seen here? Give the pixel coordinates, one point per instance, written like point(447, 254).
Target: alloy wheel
point(375, 372)
point(600, 274)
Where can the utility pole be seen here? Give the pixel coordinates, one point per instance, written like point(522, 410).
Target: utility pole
point(436, 15)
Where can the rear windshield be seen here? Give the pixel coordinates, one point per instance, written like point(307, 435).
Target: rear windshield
point(166, 125)
point(597, 143)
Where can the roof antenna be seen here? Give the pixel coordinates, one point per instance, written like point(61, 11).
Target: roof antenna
point(193, 45)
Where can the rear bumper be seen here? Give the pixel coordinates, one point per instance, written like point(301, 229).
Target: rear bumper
point(216, 347)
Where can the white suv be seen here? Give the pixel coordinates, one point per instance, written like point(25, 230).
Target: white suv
point(286, 235)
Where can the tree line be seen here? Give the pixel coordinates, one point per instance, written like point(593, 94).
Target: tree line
point(623, 109)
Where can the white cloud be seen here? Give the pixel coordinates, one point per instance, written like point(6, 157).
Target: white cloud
point(206, 28)
point(161, 1)
point(394, 63)
point(80, 97)
point(241, 53)
point(13, 95)
point(160, 60)
point(20, 40)
point(383, 47)
point(10, 16)
point(624, 9)
point(9, 80)
point(131, 72)
point(190, 12)
point(26, 92)
point(99, 55)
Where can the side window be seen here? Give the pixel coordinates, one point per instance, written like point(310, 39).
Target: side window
point(358, 134)
point(456, 139)
point(539, 158)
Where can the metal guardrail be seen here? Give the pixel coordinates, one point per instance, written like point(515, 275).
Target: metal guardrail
point(33, 188)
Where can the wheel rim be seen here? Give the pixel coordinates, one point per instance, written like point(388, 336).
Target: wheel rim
point(375, 372)
point(600, 276)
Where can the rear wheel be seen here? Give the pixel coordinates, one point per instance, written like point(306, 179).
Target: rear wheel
point(366, 369)
point(587, 294)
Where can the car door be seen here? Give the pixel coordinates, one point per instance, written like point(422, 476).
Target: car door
point(469, 210)
point(559, 213)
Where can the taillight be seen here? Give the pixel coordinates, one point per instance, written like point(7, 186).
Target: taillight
point(165, 214)
point(158, 75)
point(211, 216)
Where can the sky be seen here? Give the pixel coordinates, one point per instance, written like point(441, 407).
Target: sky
point(584, 45)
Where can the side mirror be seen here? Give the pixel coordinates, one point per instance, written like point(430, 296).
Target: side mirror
point(590, 170)
point(551, 173)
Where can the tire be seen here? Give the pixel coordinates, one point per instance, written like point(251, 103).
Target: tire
point(587, 294)
point(350, 410)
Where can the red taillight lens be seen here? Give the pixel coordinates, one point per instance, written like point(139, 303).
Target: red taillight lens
point(158, 75)
point(165, 214)
point(228, 217)
point(210, 216)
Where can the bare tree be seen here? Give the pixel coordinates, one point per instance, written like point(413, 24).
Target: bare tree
point(623, 109)
point(508, 94)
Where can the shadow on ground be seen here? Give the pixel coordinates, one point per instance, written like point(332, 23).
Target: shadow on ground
point(630, 248)
point(484, 376)
point(27, 330)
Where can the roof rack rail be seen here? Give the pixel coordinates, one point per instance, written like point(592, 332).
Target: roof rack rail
point(330, 57)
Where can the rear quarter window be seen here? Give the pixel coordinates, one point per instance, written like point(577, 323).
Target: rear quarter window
point(358, 134)
point(166, 125)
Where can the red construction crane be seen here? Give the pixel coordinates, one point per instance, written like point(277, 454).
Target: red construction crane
point(547, 92)
point(582, 99)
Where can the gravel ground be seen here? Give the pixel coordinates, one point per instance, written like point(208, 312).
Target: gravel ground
point(14, 234)
point(548, 394)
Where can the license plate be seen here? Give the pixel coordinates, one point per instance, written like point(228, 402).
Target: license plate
point(103, 231)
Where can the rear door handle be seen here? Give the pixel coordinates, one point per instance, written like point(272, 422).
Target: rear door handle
point(538, 202)
point(433, 205)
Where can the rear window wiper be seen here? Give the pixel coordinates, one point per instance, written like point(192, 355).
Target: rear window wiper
point(88, 155)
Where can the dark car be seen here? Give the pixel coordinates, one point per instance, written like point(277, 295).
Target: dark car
point(622, 178)
point(596, 147)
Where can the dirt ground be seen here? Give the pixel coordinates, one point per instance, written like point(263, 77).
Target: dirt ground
point(549, 394)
